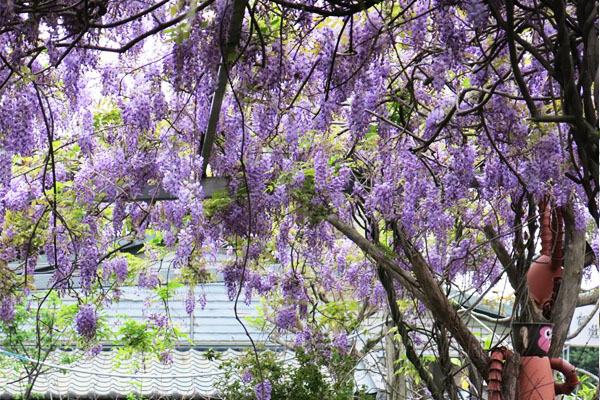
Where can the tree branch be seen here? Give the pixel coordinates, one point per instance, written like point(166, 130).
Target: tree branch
point(433, 297)
point(349, 10)
point(377, 254)
point(503, 256)
point(398, 319)
point(441, 308)
point(587, 298)
point(568, 293)
point(584, 323)
point(155, 30)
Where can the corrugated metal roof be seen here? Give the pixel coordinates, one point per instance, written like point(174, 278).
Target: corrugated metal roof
point(154, 380)
point(190, 375)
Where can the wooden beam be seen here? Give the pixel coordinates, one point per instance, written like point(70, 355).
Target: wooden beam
point(228, 56)
point(210, 186)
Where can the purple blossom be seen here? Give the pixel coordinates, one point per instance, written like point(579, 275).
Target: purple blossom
point(17, 114)
point(286, 319)
point(110, 81)
point(61, 257)
point(202, 301)
point(95, 350)
point(232, 275)
point(434, 118)
point(477, 12)
point(341, 343)
point(137, 114)
point(17, 198)
point(293, 287)
point(166, 357)
point(85, 321)
point(148, 279)
point(303, 337)
point(190, 302)
point(88, 262)
point(263, 390)
point(118, 266)
point(5, 167)
point(7, 308)
point(247, 377)
point(159, 321)
point(185, 246)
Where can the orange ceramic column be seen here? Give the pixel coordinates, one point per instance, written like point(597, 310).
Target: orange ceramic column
point(535, 379)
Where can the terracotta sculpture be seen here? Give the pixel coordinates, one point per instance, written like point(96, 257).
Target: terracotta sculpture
point(496, 369)
point(545, 273)
point(532, 340)
point(536, 382)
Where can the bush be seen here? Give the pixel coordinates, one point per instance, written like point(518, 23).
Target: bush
point(303, 379)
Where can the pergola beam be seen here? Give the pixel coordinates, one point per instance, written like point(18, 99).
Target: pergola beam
point(153, 193)
point(227, 58)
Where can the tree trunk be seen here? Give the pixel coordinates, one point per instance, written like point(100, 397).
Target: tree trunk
point(424, 288)
point(396, 382)
point(566, 301)
point(510, 377)
point(476, 382)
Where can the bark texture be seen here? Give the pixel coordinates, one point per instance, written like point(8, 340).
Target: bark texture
point(568, 293)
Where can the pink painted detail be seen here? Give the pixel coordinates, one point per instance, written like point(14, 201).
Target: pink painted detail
point(545, 338)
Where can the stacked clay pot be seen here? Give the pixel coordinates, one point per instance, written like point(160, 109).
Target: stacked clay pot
point(536, 382)
point(546, 271)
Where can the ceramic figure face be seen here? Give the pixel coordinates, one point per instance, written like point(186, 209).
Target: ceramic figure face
point(545, 338)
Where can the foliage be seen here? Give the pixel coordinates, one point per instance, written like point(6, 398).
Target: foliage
point(585, 358)
point(299, 378)
point(46, 322)
point(38, 328)
point(587, 389)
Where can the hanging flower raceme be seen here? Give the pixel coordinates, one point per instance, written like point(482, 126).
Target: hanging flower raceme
point(86, 321)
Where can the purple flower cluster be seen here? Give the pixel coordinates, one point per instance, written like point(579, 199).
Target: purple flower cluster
point(202, 301)
point(166, 357)
point(232, 275)
point(263, 390)
point(286, 319)
point(293, 287)
point(117, 266)
point(341, 343)
point(17, 197)
point(190, 302)
point(7, 308)
point(148, 279)
point(247, 377)
point(88, 262)
point(159, 321)
point(95, 350)
point(120, 268)
point(86, 321)
point(17, 114)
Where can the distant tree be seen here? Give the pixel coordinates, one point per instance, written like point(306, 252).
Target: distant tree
point(585, 358)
